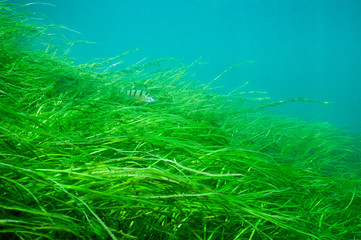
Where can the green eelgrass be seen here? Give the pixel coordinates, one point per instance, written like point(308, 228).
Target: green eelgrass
point(79, 160)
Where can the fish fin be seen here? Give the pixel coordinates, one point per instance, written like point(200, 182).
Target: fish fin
point(143, 87)
point(139, 86)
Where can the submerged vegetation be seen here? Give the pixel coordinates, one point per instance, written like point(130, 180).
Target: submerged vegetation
point(79, 160)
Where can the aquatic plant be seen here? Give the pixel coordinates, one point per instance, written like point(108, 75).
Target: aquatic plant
point(79, 160)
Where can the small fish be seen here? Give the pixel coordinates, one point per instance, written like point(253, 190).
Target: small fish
point(140, 95)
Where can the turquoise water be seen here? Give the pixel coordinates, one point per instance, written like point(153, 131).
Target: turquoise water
point(309, 48)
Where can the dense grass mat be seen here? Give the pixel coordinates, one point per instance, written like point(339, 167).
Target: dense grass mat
point(79, 159)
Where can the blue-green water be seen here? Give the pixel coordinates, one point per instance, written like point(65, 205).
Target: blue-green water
point(309, 48)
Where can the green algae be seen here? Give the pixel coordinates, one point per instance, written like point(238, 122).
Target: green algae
point(78, 160)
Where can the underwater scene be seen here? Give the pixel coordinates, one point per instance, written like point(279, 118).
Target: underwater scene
point(228, 119)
